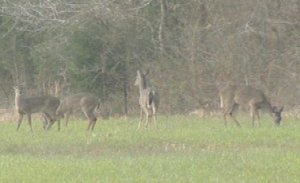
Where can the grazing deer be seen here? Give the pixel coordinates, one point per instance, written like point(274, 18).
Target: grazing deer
point(85, 102)
point(148, 100)
point(246, 96)
point(46, 105)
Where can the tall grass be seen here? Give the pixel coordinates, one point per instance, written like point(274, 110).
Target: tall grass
point(182, 149)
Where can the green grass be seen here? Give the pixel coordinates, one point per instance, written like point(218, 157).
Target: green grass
point(182, 149)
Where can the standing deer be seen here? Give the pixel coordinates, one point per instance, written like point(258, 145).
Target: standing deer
point(246, 96)
point(148, 100)
point(46, 105)
point(85, 102)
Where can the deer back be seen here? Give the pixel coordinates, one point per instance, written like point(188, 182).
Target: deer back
point(246, 94)
point(77, 101)
point(36, 104)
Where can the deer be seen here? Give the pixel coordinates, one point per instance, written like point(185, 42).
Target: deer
point(44, 104)
point(85, 102)
point(148, 99)
point(247, 97)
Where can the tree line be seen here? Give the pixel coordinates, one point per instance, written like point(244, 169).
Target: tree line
point(192, 49)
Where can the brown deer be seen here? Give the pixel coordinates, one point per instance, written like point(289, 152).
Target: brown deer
point(85, 102)
point(248, 97)
point(46, 105)
point(148, 100)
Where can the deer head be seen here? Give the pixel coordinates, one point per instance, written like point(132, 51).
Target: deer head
point(277, 114)
point(141, 78)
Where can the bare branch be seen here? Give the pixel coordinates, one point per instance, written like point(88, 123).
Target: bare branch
point(41, 15)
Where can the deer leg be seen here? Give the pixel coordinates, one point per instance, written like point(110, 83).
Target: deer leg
point(150, 117)
point(256, 113)
point(234, 107)
point(253, 112)
point(94, 123)
point(225, 119)
point(154, 121)
point(147, 116)
point(51, 121)
point(66, 116)
point(20, 119)
point(147, 120)
point(228, 110)
point(89, 125)
point(225, 113)
point(91, 118)
point(236, 121)
point(258, 118)
point(47, 121)
point(141, 118)
point(154, 116)
point(83, 109)
point(58, 124)
point(29, 121)
point(252, 117)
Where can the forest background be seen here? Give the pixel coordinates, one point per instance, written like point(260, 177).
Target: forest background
point(192, 48)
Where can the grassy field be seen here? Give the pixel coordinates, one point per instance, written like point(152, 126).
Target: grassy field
point(183, 149)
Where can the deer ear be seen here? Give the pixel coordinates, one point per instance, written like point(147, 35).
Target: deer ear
point(138, 72)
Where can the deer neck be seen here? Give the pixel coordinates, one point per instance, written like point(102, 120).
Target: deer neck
point(17, 100)
point(143, 85)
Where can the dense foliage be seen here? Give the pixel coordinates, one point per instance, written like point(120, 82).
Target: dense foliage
point(192, 48)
